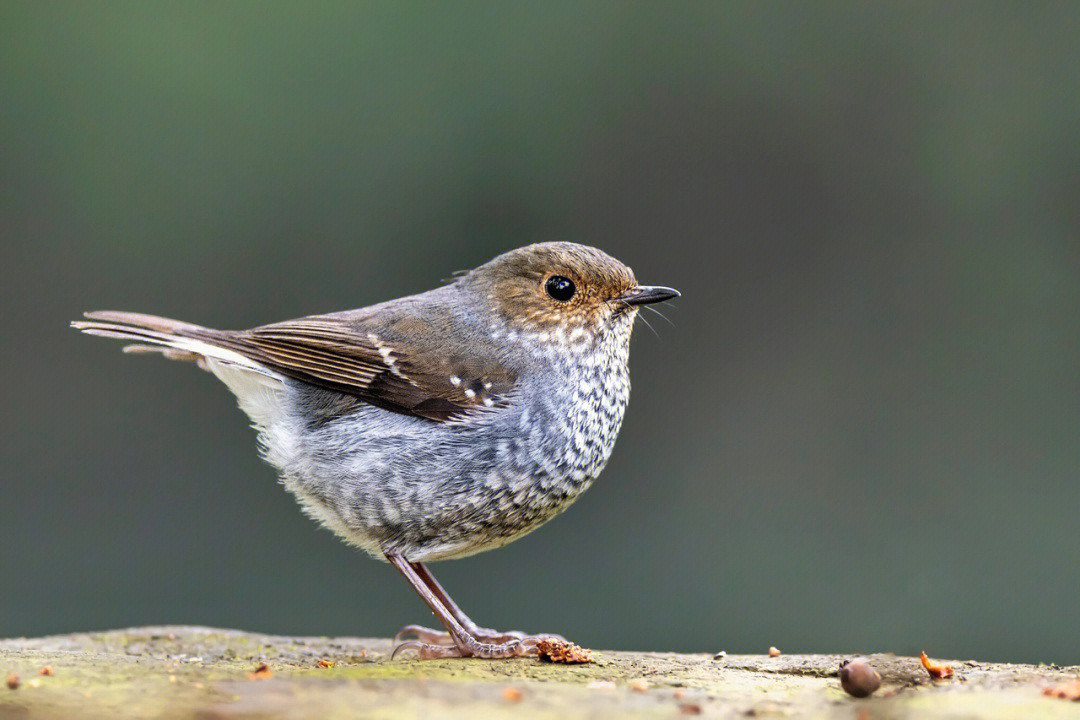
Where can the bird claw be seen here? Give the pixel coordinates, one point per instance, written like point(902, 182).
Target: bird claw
point(441, 637)
point(444, 645)
point(426, 651)
point(423, 635)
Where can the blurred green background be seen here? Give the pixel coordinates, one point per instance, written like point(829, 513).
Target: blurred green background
point(861, 432)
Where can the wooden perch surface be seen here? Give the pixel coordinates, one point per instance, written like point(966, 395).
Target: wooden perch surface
point(192, 672)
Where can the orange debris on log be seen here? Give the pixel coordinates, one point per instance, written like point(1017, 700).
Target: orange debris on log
point(261, 673)
point(1065, 691)
point(561, 651)
point(938, 672)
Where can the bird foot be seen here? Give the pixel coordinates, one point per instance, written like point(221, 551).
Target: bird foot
point(441, 637)
point(488, 644)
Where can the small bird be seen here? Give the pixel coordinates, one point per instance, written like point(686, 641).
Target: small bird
point(437, 425)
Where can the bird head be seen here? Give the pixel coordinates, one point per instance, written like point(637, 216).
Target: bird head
point(562, 289)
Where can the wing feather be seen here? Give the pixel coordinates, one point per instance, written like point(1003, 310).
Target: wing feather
point(393, 373)
point(401, 370)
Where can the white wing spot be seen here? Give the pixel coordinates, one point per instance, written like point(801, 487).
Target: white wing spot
point(455, 380)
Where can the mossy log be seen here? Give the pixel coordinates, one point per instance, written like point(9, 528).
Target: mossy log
point(192, 672)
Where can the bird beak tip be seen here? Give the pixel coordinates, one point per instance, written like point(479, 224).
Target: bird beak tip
point(646, 294)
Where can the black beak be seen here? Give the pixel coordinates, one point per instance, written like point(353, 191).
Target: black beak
point(646, 294)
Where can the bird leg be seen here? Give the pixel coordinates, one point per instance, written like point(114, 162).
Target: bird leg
point(439, 637)
point(462, 637)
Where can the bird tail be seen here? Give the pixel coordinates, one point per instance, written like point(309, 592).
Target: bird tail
point(174, 339)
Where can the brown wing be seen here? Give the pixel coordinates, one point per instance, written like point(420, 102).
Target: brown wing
point(394, 372)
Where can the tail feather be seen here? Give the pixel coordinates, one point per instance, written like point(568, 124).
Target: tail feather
point(148, 322)
point(173, 338)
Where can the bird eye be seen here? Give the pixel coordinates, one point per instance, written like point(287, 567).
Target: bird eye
point(560, 288)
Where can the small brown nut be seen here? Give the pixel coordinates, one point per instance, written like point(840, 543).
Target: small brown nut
point(859, 679)
point(774, 651)
point(511, 694)
point(13, 681)
point(47, 670)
